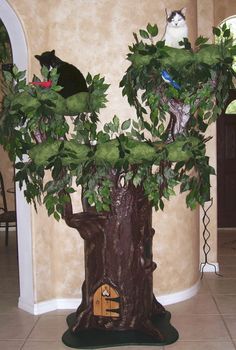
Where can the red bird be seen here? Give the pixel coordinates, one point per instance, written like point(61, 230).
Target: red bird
point(44, 84)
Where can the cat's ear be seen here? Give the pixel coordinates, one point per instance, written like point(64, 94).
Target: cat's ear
point(168, 13)
point(53, 52)
point(183, 11)
point(38, 57)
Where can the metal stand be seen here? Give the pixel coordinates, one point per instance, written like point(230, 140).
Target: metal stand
point(206, 235)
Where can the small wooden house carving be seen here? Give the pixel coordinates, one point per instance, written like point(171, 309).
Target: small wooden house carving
point(106, 302)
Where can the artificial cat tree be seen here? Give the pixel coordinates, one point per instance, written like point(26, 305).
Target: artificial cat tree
point(124, 170)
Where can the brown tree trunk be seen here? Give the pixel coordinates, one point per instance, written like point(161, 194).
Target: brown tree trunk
point(118, 290)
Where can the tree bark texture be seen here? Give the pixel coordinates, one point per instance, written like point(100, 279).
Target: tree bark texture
point(118, 259)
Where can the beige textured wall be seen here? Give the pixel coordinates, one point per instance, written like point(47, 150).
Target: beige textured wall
point(94, 35)
point(223, 9)
point(175, 247)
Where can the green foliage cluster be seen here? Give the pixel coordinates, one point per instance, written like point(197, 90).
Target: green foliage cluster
point(35, 124)
point(56, 142)
point(204, 74)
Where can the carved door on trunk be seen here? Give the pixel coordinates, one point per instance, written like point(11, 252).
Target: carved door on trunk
point(106, 302)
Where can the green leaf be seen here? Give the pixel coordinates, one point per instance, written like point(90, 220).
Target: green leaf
point(15, 70)
point(200, 41)
point(137, 180)
point(116, 122)
point(153, 30)
point(233, 50)
point(216, 31)
point(105, 207)
point(101, 137)
point(56, 216)
point(129, 175)
point(57, 88)
point(161, 204)
point(57, 168)
point(70, 190)
point(126, 124)
point(106, 128)
point(161, 129)
point(99, 206)
point(21, 75)
point(45, 72)
point(228, 60)
point(89, 79)
point(144, 34)
point(227, 33)
point(19, 165)
point(7, 76)
point(224, 27)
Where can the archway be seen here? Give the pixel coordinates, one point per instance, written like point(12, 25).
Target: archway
point(19, 53)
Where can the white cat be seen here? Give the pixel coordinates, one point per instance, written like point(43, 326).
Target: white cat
point(176, 27)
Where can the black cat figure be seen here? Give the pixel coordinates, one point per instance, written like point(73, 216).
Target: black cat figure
point(70, 78)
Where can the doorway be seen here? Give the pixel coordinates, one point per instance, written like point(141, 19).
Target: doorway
point(6, 166)
point(226, 152)
point(226, 164)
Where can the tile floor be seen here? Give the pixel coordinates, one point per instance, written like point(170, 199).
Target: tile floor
point(205, 322)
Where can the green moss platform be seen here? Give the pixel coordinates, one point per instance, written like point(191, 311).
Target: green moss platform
point(94, 338)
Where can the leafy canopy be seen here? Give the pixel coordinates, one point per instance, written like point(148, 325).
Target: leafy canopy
point(164, 146)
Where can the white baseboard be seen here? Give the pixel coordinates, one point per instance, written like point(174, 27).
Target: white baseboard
point(26, 306)
point(212, 267)
point(49, 305)
point(72, 304)
point(177, 297)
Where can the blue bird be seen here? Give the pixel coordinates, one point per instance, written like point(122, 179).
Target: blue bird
point(167, 78)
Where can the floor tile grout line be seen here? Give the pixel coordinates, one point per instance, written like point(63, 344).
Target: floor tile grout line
point(225, 324)
point(223, 320)
point(220, 314)
point(27, 337)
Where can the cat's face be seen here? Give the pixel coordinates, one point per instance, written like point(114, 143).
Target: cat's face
point(176, 19)
point(46, 58)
